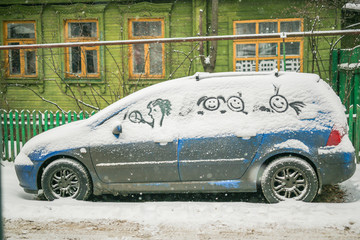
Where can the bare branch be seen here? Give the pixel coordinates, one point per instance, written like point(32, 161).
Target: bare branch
point(214, 32)
point(78, 100)
point(186, 57)
point(201, 45)
point(118, 67)
point(92, 88)
point(42, 98)
point(60, 77)
point(73, 96)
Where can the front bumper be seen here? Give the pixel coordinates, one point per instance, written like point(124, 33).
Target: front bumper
point(26, 172)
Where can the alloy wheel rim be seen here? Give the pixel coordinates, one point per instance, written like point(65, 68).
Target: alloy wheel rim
point(64, 183)
point(289, 183)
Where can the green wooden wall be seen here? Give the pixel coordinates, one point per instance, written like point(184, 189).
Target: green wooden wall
point(181, 20)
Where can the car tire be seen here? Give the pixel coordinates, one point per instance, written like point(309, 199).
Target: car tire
point(289, 178)
point(66, 178)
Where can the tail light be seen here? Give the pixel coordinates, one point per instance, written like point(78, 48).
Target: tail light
point(336, 134)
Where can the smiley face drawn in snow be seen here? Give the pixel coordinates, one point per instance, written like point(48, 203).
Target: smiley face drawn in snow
point(279, 103)
point(210, 103)
point(235, 103)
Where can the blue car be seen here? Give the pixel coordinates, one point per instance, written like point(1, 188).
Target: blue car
point(284, 134)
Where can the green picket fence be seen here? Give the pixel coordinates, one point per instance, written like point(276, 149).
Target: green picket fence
point(354, 128)
point(345, 80)
point(16, 128)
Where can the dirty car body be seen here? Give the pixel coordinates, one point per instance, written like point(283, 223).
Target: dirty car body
point(282, 133)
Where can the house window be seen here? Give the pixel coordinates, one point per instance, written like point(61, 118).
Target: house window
point(267, 54)
point(146, 60)
point(82, 62)
point(20, 62)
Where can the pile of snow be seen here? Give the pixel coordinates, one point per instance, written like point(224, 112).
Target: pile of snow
point(19, 205)
point(349, 66)
point(352, 6)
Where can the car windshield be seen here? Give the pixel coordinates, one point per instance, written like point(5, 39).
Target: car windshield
point(146, 93)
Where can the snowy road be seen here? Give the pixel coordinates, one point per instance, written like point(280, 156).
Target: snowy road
point(219, 218)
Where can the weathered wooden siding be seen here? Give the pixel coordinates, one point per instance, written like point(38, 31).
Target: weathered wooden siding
point(181, 20)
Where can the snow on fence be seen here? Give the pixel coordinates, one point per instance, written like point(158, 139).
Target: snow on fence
point(16, 128)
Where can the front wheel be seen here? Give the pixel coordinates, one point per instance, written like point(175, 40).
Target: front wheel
point(66, 178)
point(289, 178)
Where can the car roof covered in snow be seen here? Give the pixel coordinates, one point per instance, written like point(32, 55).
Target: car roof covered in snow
point(266, 76)
point(312, 105)
point(250, 79)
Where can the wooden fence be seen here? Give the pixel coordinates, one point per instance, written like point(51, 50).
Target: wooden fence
point(354, 129)
point(345, 79)
point(16, 128)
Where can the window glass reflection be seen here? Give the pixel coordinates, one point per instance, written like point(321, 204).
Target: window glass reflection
point(268, 49)
point(268, 27)
point(82, 29)
point(245, 28)
point(138, 58)
point(20, 30)
point(245, 50)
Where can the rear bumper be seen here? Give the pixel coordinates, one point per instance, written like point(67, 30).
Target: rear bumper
point(336, 167)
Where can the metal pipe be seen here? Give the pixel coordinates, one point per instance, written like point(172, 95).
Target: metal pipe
point(185, 39)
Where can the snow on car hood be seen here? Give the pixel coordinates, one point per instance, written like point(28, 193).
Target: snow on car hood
point(61, 138)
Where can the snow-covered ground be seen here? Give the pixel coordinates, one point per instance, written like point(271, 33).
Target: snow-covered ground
point(29, 218)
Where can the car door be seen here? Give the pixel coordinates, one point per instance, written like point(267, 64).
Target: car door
point(216, 158)
point(144, 150)
point(220, 143)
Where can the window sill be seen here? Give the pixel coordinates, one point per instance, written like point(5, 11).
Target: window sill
point(22, 81)
point(84, 82)
point(21, 78)
point(134, 80)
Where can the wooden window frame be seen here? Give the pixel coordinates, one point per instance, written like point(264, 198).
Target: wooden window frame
point(279, 57)
point(146, 49)
point(83, 50)
point(21, 41)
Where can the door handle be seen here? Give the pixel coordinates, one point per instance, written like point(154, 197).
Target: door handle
point(163, 143)
point(245, 137)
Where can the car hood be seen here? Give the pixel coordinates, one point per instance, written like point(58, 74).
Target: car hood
point(59, 139)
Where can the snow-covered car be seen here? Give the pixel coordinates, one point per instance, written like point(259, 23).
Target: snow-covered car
point(282, 133)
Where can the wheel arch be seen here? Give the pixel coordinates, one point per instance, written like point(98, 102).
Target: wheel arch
point(52, 159)
point(286, 154)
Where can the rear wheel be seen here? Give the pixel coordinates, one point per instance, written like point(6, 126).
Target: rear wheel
point(289, 178)
point(66, 178)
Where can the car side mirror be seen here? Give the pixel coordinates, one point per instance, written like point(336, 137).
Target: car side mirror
point(117, 130)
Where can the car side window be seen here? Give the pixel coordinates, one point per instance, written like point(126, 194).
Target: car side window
point(221, 103)
point(209, 110)
point(152, 118)
point(157, 111)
